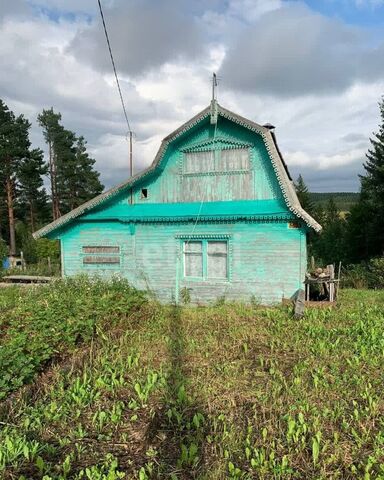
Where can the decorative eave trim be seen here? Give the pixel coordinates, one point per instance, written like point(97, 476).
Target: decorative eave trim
point(285, 183)
point(205, 218)
point(203, 236)
point(223, 142)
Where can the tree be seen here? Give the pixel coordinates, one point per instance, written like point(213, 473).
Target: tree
point(14, 148)
point(303, 195)
point(366, 220)
point(329, 246)
point(49, 121)
point(73, 178)
point(32, 197)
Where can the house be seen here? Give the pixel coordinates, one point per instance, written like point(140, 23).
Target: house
point(216, 214)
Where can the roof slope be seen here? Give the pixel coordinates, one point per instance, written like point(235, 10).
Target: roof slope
point(279, 166)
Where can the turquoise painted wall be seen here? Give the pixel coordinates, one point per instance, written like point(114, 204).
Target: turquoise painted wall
point(266, 260)
point(169, 185)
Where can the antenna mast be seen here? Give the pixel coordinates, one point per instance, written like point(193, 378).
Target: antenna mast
point(213, 101)
point(214, 85)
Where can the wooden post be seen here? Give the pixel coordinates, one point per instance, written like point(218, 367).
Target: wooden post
point(331, 269)
point(130, 166)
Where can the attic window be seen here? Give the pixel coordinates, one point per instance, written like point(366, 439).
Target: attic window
point(144, 193)
point(293, 225)
point(226, 160)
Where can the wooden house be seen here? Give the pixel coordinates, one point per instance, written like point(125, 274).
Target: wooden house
point(215, 215)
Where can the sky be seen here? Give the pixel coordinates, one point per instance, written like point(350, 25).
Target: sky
point(314, 69)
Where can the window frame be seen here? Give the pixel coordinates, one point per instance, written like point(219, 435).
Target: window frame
point(205, 273)
point(216, 162)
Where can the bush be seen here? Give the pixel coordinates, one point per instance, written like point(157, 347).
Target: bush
point(365, 275)
point(376, 273)
point(3, 252)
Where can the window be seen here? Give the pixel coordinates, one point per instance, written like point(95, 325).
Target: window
point(197, 162)
point(217, 260)
point(144, 193)
point(101, 255)
point(233, 159)
point(293, 225)
point(193, 259)
point(206, 259)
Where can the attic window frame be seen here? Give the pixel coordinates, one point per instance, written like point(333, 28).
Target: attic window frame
point(144, 194)
point(216, 159)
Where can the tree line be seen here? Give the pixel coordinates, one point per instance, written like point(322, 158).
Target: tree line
point(24, 202)
point(358, 235)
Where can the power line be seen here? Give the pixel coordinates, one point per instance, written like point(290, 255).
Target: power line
point(114, 67)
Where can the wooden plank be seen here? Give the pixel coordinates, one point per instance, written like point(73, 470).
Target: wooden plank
point(27, 279)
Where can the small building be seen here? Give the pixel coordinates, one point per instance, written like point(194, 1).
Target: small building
point(215, 215)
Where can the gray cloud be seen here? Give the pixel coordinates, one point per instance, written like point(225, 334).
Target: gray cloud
point(144, 35)
point(13, 8)
point(294, 51)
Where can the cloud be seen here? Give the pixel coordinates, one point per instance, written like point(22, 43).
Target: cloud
point(320, 134)
point(13, 8)
point(144, 36)
point(294, 51)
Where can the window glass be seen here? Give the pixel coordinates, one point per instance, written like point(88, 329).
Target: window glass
point(217, 260)
point(197, 162)
point(233, 159)
point(193, 259)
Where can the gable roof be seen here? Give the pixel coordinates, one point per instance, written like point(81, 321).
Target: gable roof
point(278, 163)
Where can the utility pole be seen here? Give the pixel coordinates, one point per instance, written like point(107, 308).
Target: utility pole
point(130, 166)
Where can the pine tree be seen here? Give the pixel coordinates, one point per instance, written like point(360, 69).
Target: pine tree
point(73, 178)
point(32, 199)
point(303, 195)
point(14, 147)
point(49, 121)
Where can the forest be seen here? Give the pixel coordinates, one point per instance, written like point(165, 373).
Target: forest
point(25, 173)
point(36, 189)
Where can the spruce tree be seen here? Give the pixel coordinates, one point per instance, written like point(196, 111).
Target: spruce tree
point(303, 195)
point(366, 220)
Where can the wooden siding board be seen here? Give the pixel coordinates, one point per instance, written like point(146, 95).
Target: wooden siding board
point(151, 257)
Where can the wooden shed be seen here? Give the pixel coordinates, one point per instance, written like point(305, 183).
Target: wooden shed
point(216, 214)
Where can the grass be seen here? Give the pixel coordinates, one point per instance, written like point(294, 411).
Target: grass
point(227, 391)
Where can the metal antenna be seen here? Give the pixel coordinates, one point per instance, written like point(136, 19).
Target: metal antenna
point(214, 85)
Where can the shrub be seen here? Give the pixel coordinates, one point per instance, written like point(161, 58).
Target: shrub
point(376, 273)
point(365, 275)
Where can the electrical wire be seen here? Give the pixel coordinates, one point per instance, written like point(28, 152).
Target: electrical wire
point(114, 67)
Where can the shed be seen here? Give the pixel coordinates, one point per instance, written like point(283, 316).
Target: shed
point(216, 214)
